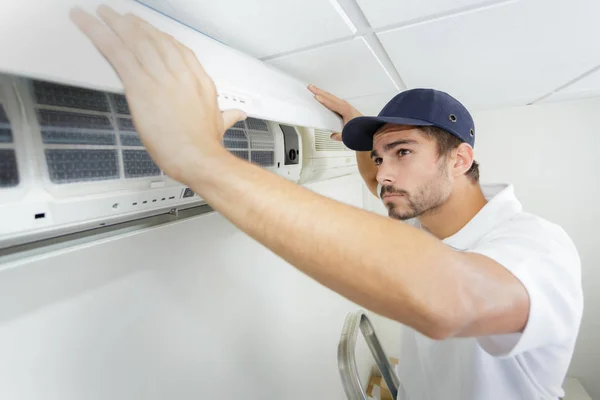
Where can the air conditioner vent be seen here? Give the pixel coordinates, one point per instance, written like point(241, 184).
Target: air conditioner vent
point(251, 140)
point(9, 173)
point(83, 136)
point(5, 129)
point(263, 158)
point(323, 142)
point(78, 165)
point(257, 124)
point(121, 105)
point(52, 94)
point(138, 163)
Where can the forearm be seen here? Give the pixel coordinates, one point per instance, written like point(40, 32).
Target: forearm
point(382, 264)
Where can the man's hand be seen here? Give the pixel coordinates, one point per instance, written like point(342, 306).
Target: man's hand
point(366, 167)
point(173, 101)
point(337, 105)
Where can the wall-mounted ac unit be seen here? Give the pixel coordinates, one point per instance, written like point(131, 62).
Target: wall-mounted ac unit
point(70, 158)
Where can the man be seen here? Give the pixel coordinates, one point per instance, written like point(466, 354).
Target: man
point(491, 296)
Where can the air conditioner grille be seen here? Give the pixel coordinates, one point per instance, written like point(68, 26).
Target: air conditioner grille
point(126, 124)
point(129, 136)
point(138, 163)
point(5, 135)
point(251, 140)
point(67, 96)
point(121, 105)
point(5, 130)
point(9, 174)
point(243, 154)
point(257, 124)
point(89, 136)
point(130, 139)
point(263, 158)
point(234, 134)
point(77, 137)
point(323, 142)
point(235, 144)
point(72, 165)
point(79, 130)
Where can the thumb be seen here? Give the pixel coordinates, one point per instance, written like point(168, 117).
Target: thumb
point(336, 136)
point(230, 117)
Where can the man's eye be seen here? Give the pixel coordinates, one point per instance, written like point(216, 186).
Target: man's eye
point(377, 161)
point(404, 152)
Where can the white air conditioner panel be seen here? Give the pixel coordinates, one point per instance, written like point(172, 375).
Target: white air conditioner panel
point(46, 117)
point(39, 41)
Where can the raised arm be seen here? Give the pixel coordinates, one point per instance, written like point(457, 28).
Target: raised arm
point(385, 265)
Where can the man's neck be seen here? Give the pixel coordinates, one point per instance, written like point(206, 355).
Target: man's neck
point(462, 206)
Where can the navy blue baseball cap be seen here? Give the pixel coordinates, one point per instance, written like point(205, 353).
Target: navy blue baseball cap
point(414, 107)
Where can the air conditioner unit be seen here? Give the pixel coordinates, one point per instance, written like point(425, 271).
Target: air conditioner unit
point(70, 158)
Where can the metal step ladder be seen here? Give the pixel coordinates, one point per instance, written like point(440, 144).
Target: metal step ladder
point(347, 360)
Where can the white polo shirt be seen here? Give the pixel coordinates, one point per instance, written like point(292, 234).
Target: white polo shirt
point(530, 365)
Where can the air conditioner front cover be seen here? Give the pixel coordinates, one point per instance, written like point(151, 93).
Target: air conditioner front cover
point(71, 159)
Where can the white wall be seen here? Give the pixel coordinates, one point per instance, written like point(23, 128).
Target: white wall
point(191, 310)
point(551, 153)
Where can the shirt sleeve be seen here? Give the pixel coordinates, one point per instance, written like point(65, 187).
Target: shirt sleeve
point(548, 266)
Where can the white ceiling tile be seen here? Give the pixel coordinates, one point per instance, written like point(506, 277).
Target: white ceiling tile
point(501, 56)
point(381, 13)
point(583, 88)
point(260, 27)
point(347, 69)
point(372, 105)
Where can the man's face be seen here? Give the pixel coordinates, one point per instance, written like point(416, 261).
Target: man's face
point(414, 180)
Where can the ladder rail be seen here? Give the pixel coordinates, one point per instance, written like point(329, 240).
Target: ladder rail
point(347, 359)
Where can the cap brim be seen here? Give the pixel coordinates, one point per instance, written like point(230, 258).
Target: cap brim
point(358, 132)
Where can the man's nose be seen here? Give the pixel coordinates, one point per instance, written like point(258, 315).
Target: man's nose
point(385, 175)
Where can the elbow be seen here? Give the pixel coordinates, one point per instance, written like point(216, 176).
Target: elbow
point(439, 330)
point(444, 322)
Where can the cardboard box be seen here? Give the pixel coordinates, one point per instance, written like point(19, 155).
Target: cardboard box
point(377, 388)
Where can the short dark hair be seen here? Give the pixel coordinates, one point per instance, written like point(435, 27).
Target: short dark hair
point(446, 142)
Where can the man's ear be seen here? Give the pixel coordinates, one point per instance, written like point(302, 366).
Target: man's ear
point(464, 159)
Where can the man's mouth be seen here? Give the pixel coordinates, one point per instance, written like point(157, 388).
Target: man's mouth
point(385, 196)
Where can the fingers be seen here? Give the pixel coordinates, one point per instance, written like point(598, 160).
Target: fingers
point(328, 100)
point(137, 41)
point(231, 117)
point(179, 59)
point(164, 43)
point(137, 50)
point(196, 67)
point(333, 105)
point(108, 43)
point(337, 136)
point(318, 91)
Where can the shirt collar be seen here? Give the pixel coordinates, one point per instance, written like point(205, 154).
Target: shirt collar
point(502, 205)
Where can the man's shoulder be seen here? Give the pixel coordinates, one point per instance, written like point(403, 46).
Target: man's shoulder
point(535, 231)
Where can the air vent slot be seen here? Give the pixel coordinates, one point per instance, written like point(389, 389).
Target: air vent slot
point(9, 172)
point(323, 142)
point(52, 94)
point(77, 165)
point(5, 129)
